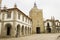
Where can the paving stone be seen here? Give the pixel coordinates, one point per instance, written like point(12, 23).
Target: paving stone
point(36, 37)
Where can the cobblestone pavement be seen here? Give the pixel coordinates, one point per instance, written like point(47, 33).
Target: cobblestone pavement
point(36, 37)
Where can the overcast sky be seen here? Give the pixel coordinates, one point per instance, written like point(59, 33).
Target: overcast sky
point(49, 7)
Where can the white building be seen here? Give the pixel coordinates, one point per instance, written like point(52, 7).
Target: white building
point(13, 23)
point(53, 24)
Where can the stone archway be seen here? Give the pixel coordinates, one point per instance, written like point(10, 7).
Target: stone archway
point(18, 31)
point(22, 30)
point(48, 28)
point(28, 30)
point(25, 30)
point(8, 29)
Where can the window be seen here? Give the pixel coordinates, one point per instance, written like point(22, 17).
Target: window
point(29, 21)
point(23, 17)
point(26, 19)
point(18, 15)
point(9, 15)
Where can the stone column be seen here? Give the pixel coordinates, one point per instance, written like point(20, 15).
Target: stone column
point(27, 31)
point(20, 31)
point(14, 24)
point(3, 33)
point(23, 31)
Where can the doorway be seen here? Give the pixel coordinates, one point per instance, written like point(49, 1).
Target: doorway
point(49, 30)
point(37, 30)
point(8, 29)
point(22, 30)
point(18, 30)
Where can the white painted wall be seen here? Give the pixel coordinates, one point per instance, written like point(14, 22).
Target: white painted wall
point(20, 21)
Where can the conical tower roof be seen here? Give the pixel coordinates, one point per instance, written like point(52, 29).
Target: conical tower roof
point(34, 7)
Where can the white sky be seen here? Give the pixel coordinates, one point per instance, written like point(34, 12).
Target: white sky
point(50, 7)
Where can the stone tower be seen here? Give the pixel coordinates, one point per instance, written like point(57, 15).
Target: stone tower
point(37, 19)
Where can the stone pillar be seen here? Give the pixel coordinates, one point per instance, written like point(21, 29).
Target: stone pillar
point(14, 24)
point(3, 33)
point(30, 31)
point(24, 31)
point(20, 30)
point(27, 31)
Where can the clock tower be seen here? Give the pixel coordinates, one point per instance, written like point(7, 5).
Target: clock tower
point(37, 19)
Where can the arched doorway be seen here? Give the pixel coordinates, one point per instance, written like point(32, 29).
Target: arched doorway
point(48, 28)
point(30, 30)
point(26, 30)
point(48, 25)
point(8, 29)
point(37, 30)
point(22, 30)
point(18, 31)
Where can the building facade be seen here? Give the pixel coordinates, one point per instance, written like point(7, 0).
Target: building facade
point(52, 25)
point(14, 23)
point(37, 19)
